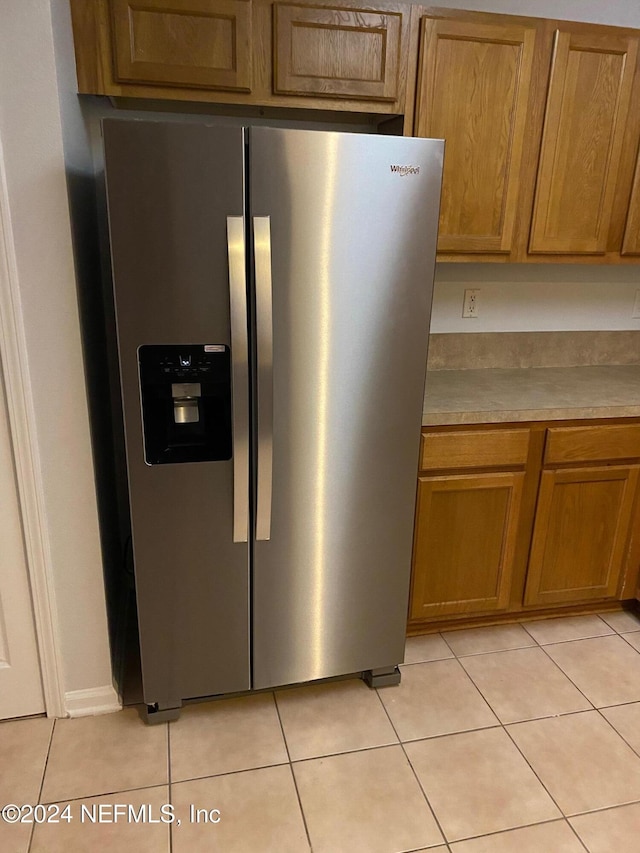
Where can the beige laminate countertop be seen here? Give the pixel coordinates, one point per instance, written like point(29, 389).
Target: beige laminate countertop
point(495, 395)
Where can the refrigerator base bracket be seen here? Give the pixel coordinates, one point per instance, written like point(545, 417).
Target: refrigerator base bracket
point(154, 714)
point(383, 677)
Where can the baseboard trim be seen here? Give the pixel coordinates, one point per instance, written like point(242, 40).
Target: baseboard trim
point(95, 700)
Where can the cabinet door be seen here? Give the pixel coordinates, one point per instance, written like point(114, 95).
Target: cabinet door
point(202, 43)
point(631, 239)
point(473, 91)
point(337, 52)
point(465, 537)
point(586, 112)
point(580, 534)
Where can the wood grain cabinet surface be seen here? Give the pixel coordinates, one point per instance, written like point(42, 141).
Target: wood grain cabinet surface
point(345, 56)
point(541, 118)
point(183, 42)
point(541, 121)
point(341, 52)
point(631, 237)
point(468, 516)
point(524, 519)
point(464, 543)
point(474, 91)
point(586, 113)
point(581, 534)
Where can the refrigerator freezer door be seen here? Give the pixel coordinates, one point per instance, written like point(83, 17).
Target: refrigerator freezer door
point(353, 223)
point(170, 190)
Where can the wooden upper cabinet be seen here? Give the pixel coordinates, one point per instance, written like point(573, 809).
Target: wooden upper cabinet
point(345, 56)
point(337, 52)
point(631, 239)
point(474, 86)
point(183, 42)
point(586, 112)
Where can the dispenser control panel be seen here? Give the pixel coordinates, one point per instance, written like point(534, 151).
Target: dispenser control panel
point(186, 402)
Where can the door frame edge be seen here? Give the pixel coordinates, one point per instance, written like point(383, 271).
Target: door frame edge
point(26, 455)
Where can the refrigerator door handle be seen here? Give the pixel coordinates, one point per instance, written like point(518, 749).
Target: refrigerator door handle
point(264, 328)
point(239, 375)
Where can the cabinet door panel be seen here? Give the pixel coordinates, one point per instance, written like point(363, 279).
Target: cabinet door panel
point(344, 53)
point(464, 543)
point(586, 113)
point(631, 239)
point(183, 42)
point(580, 534)
point(473, 91)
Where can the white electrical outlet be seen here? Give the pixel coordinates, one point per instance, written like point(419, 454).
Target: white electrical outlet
point(636, 305)
point(470, 304)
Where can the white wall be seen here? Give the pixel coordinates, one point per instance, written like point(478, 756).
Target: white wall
point(618, 13)
point(536, 297)
point(30, 130)
point(541, 297)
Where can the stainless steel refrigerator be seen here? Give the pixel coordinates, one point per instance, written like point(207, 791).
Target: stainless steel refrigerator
point(273, 294)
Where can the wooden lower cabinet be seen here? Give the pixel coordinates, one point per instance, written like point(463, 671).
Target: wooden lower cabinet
point(464, 543)
point(551, 523)
point(580, 534)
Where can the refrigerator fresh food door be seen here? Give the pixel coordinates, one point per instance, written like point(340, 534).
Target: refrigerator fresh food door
point(176, 214)
point(344, 230)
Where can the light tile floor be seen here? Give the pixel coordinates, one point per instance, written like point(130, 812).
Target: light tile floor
point(512, 739)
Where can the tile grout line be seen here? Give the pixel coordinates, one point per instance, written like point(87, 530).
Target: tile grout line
point(610, 724)
point(549, 794)
point(415, 775)
point(495, 652)
point(524, 628)
point(498, 723)
point(44, 771)
point(224, 773)
point(612, 631)
point(619, 704)
point(599, 710)
point(490, 651)
point(599, 637)
point(561, 819)
point(571, 681)
point(566, 675)
point(624, 637)
point(480, 694)
point(444, 640)
point(293, 775)
point(576, 712)
point(504, 726)
point(605, 809)
point(105, 794)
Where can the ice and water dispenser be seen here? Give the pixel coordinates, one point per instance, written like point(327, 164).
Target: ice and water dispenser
point(186, 402)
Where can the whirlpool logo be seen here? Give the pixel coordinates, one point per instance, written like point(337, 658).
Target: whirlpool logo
point(406, 170)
